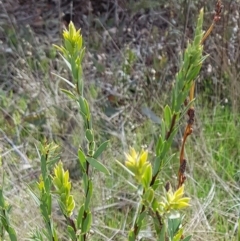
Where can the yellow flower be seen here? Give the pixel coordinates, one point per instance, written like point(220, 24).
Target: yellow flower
point(72, 44)
point(137, 163)
point(72, 39)
point(175, 201)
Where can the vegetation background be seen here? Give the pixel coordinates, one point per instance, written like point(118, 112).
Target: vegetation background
point(132, 56)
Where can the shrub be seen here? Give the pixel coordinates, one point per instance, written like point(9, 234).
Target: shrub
point(157, 201)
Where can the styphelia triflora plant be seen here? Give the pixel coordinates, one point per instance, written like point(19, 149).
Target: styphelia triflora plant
point(157, 201)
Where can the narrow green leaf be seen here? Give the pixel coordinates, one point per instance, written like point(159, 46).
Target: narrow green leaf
point(163, 129)
point(83, 108)
point(91, 148)
point(125, 168)
point(173, 226)
point(75, 70)
point(89, 195)
point(82, 159)
point(178, 235)
point(98, 165)
point(80, 82)
point(161, 236)
point(82, 55)
point(168, 159)
point(58, 47)
point(47, 184)
point(156, 184)
point(80, 216)
point(44, 168)
point(149, 195)
point(68, 46)
point(57, 183)
point(71, 232)
point(80, 74)
point(89, 135)
point(65, 80)
point(69, 94)
point(66, 62)
point(187, 238)
point(54, 233)
point(44, 212)
point(49, 203)
point(4, 221)
point(2, 202)
point(167, 116)
point(131, 236)
point(35, 198)
point(170, 230)
point(147, 176)
point(203, 58)
point(100, 149)
point(155, 205)
point(198, 29)
point(12, 234)
point(193, 72)
point(141, 218)
point(85, 182)
point(87, 223)
point(159, 145)
point(166, 148)
point(70, 205)
point(180, 100)
point(186, 61)
point(157, 164)
point(171, 137)
point(87, 109)
point(84, 118)
point(158, 226)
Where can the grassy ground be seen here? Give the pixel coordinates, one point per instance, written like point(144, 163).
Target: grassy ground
point(33, 108)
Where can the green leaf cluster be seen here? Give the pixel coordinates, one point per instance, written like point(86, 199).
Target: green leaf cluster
point(73, 53)
point(139, 166)
point(174, 201)
point(63, 188)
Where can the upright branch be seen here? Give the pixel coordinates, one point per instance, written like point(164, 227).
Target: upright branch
point(145, 175)
point(72, 53)
point(191, 111)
